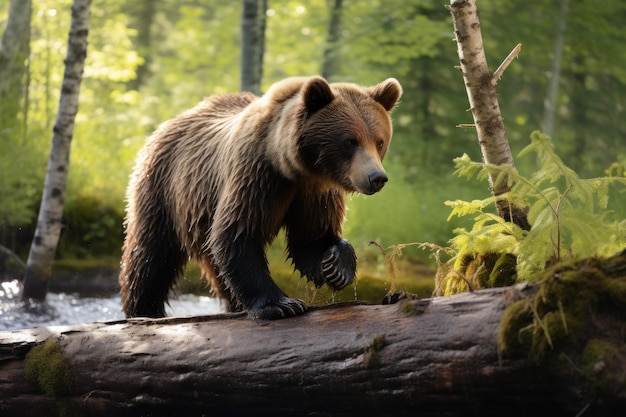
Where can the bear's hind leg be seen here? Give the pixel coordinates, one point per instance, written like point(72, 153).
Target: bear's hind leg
point(152, 259)
point(217, 286)
point(146, 279)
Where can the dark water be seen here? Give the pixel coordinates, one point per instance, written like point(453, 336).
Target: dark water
point(67, 309)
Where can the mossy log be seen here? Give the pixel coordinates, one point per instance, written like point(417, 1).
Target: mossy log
point(430, 357)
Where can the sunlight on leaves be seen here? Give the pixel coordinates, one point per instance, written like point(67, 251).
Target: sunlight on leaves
point(568, 214)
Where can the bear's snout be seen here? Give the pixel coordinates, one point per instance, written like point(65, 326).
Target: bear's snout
point(367, 175)
point(377, 180)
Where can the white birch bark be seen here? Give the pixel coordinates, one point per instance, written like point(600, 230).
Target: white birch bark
point(43, 247)
point(483, 99)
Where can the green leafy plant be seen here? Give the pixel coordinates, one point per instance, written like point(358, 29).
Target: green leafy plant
point(570, 217)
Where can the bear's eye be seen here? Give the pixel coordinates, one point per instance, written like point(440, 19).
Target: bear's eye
point(351, 143)
point(381, 144)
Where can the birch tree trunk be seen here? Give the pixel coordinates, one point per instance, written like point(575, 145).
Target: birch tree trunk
point(549, 107)
point(481, 92)
point(252, 44)
point(330, 59)
point(14, 51)
point(45, 240)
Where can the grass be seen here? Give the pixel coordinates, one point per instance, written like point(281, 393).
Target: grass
point(372, 284)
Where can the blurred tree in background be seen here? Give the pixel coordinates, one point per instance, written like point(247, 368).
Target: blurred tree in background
point(150, 60)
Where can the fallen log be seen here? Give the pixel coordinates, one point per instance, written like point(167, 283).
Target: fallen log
point(430, 357)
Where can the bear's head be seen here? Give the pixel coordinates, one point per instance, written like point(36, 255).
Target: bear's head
point(345, 132)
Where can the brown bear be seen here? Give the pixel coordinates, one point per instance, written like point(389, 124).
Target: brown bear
point(219, 181)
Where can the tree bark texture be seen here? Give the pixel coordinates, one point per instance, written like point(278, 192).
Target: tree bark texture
point(483, 100)
point(330, 60)
point(43, 247)
point(431, 357)
point(252, 44)
point(14, 51)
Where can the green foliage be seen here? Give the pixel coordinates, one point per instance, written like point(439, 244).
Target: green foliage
point(569, 215)
point(406, 210)
point(91, 228)
point(192, 50)
point(399, 31)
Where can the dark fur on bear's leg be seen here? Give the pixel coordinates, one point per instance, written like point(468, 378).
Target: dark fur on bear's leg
point(339, 265)
point(330, 261)
point(244, 269)
point(277, 308)
point(327, 259)
point(151, 262)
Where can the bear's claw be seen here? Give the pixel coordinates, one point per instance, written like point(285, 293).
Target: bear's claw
point(283, 308)
point(339, 265)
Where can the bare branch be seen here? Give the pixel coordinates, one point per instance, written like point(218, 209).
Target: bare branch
point(505, 64)
point(13, 255)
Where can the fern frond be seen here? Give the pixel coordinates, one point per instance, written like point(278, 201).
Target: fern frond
point(490, 234)
point(462, 208)
point(568, 214)
point(465, 167)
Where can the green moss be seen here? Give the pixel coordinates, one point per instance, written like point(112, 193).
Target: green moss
point(602, 363)
point(378, 343)
point(574, 323)
point(408, 308)
point(513, 335)
point(371, 356)
point(473, 271)
point(503, 273)
point(47, 367)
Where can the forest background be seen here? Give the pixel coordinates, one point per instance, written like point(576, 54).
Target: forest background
point(148, 61)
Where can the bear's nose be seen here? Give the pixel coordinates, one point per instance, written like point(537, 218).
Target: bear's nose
point(377, 180)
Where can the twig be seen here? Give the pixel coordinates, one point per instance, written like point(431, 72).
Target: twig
point(466, 125)
point(507, 61)
point(13, 255)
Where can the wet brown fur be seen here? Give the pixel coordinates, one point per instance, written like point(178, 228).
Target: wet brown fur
point(219, 181)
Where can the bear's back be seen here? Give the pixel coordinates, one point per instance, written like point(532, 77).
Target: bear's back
point(227, 105)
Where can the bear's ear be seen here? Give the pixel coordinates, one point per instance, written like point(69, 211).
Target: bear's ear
point(316, 94)
point(387, 93)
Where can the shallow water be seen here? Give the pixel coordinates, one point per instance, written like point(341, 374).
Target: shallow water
point(67, 309)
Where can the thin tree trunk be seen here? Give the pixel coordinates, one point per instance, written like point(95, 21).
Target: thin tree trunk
point(549, 106)
point(330, 62)
point(252, 44)
point(260, 55)
point(14, 52)
point(483, 99)
point(43, 247)
point(143, 12)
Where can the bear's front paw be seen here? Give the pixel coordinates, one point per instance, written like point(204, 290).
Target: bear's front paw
point(339, 265)
point(282, 308)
